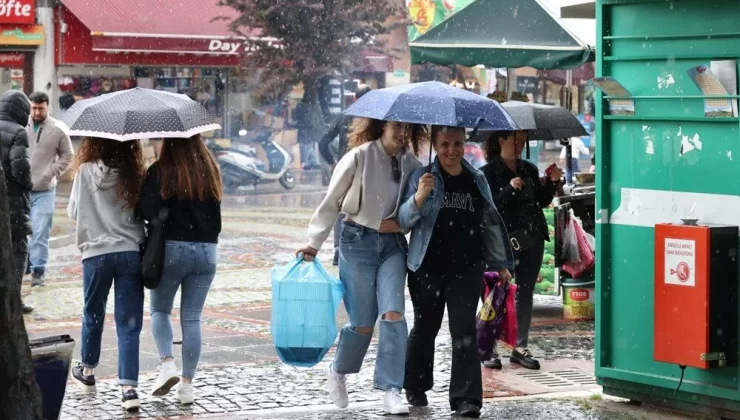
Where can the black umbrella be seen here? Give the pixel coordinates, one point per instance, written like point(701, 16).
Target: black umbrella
point(542, 122)
point(138, 114)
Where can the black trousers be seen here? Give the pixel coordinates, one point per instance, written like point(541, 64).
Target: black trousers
point(430, 292)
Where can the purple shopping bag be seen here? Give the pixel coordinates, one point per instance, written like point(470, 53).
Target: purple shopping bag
point(490, 319)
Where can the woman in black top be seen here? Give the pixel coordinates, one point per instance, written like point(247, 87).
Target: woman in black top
point(186, 182)
point(520, 195)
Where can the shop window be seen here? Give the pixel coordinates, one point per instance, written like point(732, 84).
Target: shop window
point(75, 88)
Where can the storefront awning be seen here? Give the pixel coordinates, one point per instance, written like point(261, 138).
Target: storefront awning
point(502, 33)
point(159, 26)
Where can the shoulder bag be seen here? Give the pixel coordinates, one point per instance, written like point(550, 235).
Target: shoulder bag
point(352, 200)
point(152, 259)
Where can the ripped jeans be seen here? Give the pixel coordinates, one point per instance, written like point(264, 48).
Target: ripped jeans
point(372, 267)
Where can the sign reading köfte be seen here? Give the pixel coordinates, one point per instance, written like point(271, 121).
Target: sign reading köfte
point(18, 11)
point(680, 262)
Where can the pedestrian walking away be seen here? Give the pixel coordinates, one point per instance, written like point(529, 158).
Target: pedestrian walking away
point(186, 181)
point(520, 195)
point(367, 186)
point(14, 112)
point(103, 202)
point(337, 135)
point(455, 232)
point(51, 155)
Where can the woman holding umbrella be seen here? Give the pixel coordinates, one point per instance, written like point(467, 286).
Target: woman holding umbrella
point(366, 186)
point(520, 196)
point(455, 232)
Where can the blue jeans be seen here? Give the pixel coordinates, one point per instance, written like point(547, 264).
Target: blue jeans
point(191, 265)
point(99, 274)
point(372, 267)
point(42, 215)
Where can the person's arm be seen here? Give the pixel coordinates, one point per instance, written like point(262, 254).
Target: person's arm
point(151, 199)
point(326, 140)
point(20, 164)
point(411, 212)
point(65, 155)
point(545, 192)
point(74, 196)
point(501, 189)
point(325, 216)
point(497, 252)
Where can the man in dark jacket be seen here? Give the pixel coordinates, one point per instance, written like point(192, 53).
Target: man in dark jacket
point(340, 129)
point(14, 112)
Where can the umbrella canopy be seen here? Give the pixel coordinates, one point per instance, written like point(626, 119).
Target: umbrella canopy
point(138, 114)
point(543, 122)
point(432, 103)
point(502, 33)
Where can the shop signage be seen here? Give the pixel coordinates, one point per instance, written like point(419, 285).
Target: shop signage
point(233, 46)
point(11, 60)
point(21, 35)
point(18, 11)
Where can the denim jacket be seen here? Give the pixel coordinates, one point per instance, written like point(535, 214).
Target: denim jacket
point(497, 251)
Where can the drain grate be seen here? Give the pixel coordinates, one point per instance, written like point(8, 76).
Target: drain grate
point(567, 378)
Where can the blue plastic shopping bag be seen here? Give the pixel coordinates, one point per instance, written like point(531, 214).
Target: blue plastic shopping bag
point(304, 304)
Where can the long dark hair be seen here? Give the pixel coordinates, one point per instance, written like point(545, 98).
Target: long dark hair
point(363, 130)
point(188, 171)
point(126, 157)
point(492, 145)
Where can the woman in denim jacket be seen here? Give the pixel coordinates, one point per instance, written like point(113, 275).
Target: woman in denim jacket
point(455, 232)
point(372, 252)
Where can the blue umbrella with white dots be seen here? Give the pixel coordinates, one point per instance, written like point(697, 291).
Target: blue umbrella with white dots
point(138, 113)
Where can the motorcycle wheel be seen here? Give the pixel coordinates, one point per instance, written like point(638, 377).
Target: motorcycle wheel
point(229, 186)
point(288, 180)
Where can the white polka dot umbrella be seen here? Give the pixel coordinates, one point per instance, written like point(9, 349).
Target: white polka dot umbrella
point(138, 113)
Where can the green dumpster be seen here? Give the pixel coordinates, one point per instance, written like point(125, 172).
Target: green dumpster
point(664, 153)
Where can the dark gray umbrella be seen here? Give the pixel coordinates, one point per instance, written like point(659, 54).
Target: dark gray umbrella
point(138, 114)
point(543, 122)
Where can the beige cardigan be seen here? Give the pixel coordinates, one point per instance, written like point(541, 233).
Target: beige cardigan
point(373, 192)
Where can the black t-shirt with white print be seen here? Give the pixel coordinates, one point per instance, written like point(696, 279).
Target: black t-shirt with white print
point(456, 242)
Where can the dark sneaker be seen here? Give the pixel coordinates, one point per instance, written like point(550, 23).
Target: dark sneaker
point(525, 359)
point(37, 279)
point(27, 309)
point(467, 409)
point(493, 364)
point(417, 399)
point(87, 383)
point(130, 400)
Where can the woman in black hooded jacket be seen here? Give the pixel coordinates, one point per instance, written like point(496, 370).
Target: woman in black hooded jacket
point(14, 112)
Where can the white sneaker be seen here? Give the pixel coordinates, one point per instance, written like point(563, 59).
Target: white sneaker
point(185, 393)
point(337, 387)
point(393, 404)
point(167, 379)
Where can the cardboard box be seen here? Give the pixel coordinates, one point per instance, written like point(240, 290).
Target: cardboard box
point(295, 151)
point(226, 143)
point(278, 123)
point(289, 138)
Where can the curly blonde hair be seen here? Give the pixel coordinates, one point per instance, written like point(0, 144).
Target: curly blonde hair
point(363, 130)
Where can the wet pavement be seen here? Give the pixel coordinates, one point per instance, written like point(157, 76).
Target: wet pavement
point(240, 375)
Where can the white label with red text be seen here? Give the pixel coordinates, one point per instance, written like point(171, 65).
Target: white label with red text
point(680, 262)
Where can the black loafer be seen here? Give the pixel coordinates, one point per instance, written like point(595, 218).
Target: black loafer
point(493, 364)
point(468, 410)
point(525, 359)
point(27, 309)
point(417, 399)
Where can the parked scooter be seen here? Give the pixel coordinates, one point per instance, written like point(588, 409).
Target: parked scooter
point(240, 165)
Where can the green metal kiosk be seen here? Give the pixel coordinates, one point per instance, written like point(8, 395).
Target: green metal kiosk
point(668, 138)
